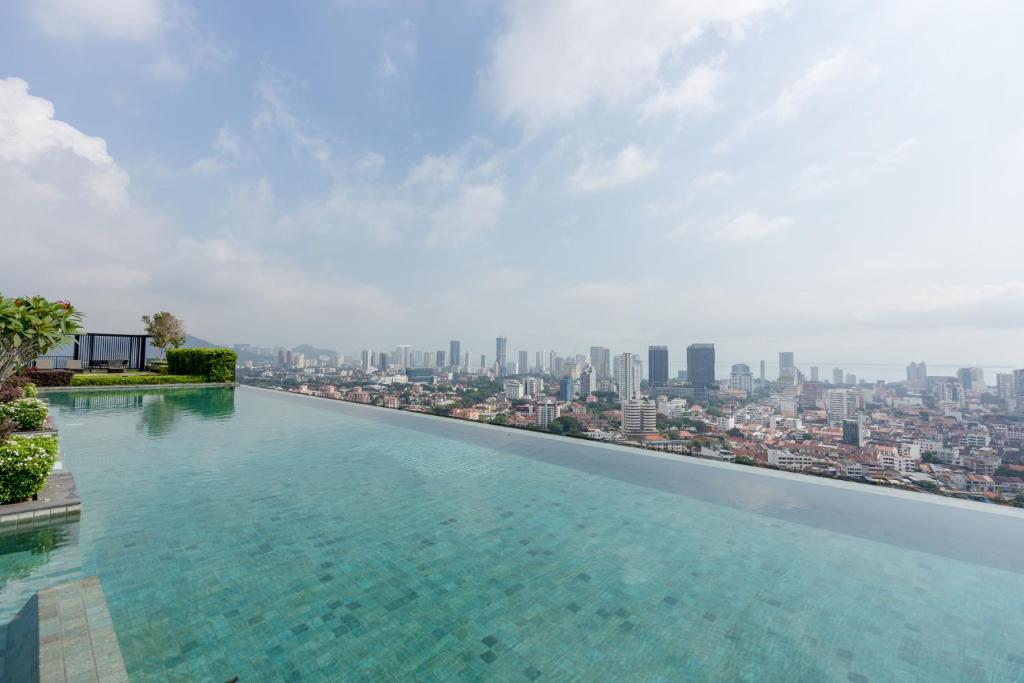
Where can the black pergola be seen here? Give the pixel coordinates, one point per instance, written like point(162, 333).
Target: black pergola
point(97, 350)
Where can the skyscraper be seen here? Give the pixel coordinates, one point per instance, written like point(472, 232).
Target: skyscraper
point(627, 377)
point(837, 376)
point(455, 352)
point(601, 359)
point(657, 367)
point(785, 363)
point(439, 359)
point(917, 374)
point(762, 371)
point(364, 360)
point(1018, 391)
point(700, 364)
point(500, 354)
point(741, 377)
point(538, 365)
point(566, 389)
point(814, 373)
point(524, 366)
point(403, 353)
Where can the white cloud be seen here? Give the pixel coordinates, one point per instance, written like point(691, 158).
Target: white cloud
point(117, 259)
point(42, 150)
point(694, 94)
point(276, 115)
point(629, 165)
point(711, 179)
point(346, 211)
point(555, 58)
point(125, 19)
point(749, 227)
point(398, 50)
point(473, 211)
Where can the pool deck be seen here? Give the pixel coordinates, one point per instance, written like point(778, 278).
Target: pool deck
point(58, 502)
point(43, 391)
point(64, 635)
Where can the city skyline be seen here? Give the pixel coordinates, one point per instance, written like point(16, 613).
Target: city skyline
point(350, 171)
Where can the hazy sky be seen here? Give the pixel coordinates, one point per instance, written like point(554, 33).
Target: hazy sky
point(844, 180)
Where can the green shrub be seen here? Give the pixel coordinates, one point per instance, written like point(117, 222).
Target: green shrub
point(25, 463)
point(127, 380)
point(30, 390)
point(50, 378)
point(216, 365)
point(29, 414)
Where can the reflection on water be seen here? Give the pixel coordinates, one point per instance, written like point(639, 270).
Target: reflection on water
point(23, 552)
point(160, 409)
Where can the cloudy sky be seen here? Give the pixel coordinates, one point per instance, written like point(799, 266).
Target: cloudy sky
point(844, 180)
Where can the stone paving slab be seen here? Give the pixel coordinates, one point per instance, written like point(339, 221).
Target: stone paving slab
point(76, 635)
point(57, 503)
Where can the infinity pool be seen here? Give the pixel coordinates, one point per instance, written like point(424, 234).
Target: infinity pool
point(277, 537)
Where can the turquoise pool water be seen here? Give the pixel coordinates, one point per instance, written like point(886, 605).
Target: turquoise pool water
point(272, 537)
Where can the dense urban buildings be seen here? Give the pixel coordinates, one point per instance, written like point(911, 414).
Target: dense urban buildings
point(951, 434)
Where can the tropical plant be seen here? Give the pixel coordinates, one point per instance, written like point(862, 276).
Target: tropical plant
point(167, 330)
point(29, 414)
point(30, 327)
point(216, 365)
point(25, 463)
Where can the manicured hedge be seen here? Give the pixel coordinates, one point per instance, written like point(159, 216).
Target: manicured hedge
point(50, 378)
point(216, 365)
point(128, 379)
point(25, 463)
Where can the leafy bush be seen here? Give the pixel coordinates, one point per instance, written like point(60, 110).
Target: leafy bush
point(118, 380)
point(216, 365)
point(50, 378)
point(29, 414)
point(7, 427)
point(25, 463)
point(30, 390)
point(12, 388)
point(30, 327)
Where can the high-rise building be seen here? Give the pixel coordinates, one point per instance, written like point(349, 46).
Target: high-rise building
point(762, 372)
point(299, 360)
point(700, 364)
point(601, 360)
point(403, 356)
point(851, 379)
point(588, 381)
point(657, 367)
point(837, 376)
point(547, 412)
point(500, 354)
point(523, 363)
point(483, 361)
point(383, 361)
point(814, 373)
point(439, 359)
point(1018, 390)
point(534, 386)
point(364, 360)
point(917, 374)
point(455, 352)
point(639, 416)
point(786, 363)
point(566, 389)
point(538, 364)
point(963, 375)
point(280, 357)
point(853, 432)
point(741, 377)
point(1004, 386)
point(513, 389)
point(554, 363)
point(626, 376)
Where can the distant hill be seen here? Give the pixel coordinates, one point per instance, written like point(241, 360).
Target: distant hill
point(312, 351)
point(198, 343)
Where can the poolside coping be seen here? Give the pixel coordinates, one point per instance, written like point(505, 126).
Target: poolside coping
point(57, 503)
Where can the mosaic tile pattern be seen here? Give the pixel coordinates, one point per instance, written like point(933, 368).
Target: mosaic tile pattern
point(276, 542)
